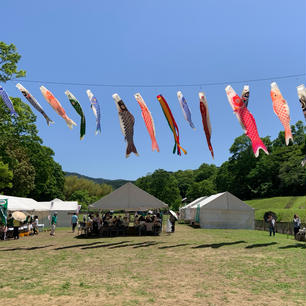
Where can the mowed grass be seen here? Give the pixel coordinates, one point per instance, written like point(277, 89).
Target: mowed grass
point(284, 207)
point(189, 267)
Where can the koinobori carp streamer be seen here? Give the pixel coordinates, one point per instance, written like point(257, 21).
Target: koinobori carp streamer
point(6, 99)
point(148, 119)
point(56, 106)
point(94, 104)
point(77, 106)
point(34, 102)
point(172, 124)
point(246, 120)
point(127, 121)
point(185, 109)
point(245, 95)
point(301, 91)
point(206, 120)
point(281, 109)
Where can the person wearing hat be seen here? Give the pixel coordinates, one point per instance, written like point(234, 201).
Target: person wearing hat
point(53, 224)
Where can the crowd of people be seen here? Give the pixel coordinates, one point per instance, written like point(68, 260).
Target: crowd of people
point(13, 227)
point(108, 223)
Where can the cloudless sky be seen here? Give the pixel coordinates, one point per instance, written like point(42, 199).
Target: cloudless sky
point(155, 42)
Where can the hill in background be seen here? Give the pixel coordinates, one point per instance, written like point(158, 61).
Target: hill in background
point(284, 207)
point(114, 183)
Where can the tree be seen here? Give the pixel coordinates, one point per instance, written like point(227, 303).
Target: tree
point(84, 191)
point(163, 185)
point(9, 58)
point(83, 198)
point(35, 173)
point(200, 189)
point(184, 180)
point(6, 176)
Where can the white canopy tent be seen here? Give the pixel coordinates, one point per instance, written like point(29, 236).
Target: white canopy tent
point(64, 209)
point(186, 212)
point(22, 204)
point(224, 210)
point(43, 209)
point(129, 198)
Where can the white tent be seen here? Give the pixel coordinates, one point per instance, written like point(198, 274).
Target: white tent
point(186, 212)
point(43, 209)
point(129, 198)
point(224, 210)
point(64, 209)
point(22, 204)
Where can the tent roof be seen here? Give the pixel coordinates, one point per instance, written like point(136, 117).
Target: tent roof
point(128, 197)
point(59, 205)
point(196, 201)
point(224, 200)
point(23, 204)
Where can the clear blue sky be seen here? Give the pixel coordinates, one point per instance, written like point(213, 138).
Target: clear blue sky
point(155, 42)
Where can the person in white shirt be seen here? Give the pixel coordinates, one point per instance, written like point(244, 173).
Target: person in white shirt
point(272, 226)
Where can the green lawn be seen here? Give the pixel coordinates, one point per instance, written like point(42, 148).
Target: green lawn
point(284, 207)
point(189, 267)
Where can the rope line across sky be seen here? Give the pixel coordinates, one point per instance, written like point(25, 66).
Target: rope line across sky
point(290, 76)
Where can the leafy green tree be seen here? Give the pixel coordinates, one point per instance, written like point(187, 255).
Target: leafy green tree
point(6, 176)
point(49, 176)
point(83, 198)
point(85, 190)
point(184, 180)
point(35, 173)
point(200, 189)
point(163, 185)
point(9, 59)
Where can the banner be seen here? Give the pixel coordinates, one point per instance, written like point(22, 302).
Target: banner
point(3, 211)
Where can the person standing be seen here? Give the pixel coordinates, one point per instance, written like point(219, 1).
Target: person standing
point(172, 220)
point(272, 226)
point(74, 221)
point(296, 224)
point(35, 225)
point(16, 225)
point(53, 224)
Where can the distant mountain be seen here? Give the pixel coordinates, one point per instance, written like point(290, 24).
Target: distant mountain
point(114, 183)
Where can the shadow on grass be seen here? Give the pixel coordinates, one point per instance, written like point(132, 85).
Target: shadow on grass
point(77, 245)
point(104, 245)
point(27, 249)
point(136, 245)
point(292, 246)
point(217, 245)
point(173, 246)
point(259, 245)
point(146, 244)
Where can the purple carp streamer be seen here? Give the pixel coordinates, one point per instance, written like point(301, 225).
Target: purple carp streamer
point(95, 106)
point(185, 109)
point(301, 91)
point(34, 102)
point(6, 99)
point(127, 121)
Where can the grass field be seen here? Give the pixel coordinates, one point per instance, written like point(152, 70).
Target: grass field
point(189, 267)
point(284, 207)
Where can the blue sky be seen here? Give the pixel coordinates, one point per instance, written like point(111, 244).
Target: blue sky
point(155, 42)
